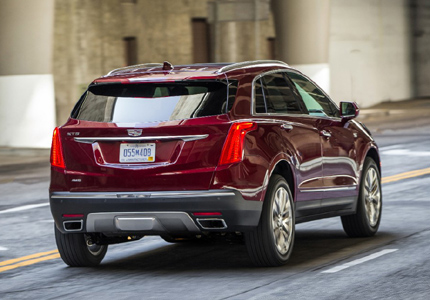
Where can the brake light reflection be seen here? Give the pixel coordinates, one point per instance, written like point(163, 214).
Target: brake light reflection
point(207, 214)
point(73, 215)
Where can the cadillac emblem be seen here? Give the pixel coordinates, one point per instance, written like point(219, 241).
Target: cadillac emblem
point(134, 132)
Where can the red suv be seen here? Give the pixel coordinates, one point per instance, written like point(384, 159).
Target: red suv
point(191, 151)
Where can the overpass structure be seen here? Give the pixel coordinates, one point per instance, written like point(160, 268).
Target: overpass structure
point(358, 50)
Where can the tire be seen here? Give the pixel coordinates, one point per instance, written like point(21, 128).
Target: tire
point(75, 252)
point(365, 222)
point(271, 244)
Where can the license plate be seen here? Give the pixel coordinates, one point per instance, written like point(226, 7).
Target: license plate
point(137, 153)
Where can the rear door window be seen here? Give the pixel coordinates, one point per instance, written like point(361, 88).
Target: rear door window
point(273, 94)
point(260, 103)
point(152, 102)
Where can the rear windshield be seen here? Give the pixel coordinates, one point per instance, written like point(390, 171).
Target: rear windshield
point(152, 102)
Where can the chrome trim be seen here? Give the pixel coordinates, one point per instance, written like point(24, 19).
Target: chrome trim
point(160, 221)
point(185, 138)
point(135, 223)
point(152, 195)
point(134, 132)
point(245, 64)
point(212, 219)
point(325, 133)
point(287, 126)
point(73, 221)
point(334, 189)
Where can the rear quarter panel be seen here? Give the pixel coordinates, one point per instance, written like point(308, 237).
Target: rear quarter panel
point(264, 148)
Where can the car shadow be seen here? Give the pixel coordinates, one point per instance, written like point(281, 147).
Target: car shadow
point(312, 249)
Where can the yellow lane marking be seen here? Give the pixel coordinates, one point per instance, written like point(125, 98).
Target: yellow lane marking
point(405, 175)
point(12, 261)
point(28, 260)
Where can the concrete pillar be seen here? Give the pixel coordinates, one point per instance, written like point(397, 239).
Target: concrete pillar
point(370, 51)
point(302, 36)
point(240, 29)
point(420, 19)
point(27, 101)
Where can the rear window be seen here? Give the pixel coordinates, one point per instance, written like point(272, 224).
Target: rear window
point(152, 102)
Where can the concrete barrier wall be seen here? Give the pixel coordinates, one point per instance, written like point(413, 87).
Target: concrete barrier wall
point(370, 57)
point(27, 109)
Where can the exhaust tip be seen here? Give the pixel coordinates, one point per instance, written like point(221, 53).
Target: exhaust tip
point(75, 225)
point(212, 223)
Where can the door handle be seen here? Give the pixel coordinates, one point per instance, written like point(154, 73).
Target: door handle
point(287, 126)
point(325, 133)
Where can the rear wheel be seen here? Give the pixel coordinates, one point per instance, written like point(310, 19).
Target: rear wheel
point(365, 222)
point(76, 250)
point(272, 242)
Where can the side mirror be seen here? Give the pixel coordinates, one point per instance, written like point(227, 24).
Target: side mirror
point(349, 110)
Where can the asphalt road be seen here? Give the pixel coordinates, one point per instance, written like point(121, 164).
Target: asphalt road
point(325, 264)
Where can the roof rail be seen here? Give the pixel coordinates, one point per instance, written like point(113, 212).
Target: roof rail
point(249, 64)
point(147, 65)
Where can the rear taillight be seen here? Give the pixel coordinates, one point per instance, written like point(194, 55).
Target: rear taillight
point(57, 159)
point(232, 151)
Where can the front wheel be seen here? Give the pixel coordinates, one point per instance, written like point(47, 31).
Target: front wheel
point(365, 222)
point(76, 251)
point(271, 244)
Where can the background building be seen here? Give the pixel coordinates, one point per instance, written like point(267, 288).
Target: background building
point(367, 51)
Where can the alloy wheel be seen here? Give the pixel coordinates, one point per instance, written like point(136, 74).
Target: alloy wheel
point(372, 194)
point(282, 221)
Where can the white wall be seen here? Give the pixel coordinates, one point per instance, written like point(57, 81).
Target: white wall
point(27, 101)
point(369, 52)
point(27, 111)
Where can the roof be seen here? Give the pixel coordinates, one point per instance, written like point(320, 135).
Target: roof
point(157, 72)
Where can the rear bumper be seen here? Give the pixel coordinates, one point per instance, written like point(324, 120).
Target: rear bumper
point(158, 213)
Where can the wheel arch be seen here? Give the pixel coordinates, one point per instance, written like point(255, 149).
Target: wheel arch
point(283, 168)
point(371, 150)
point(373, 153)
